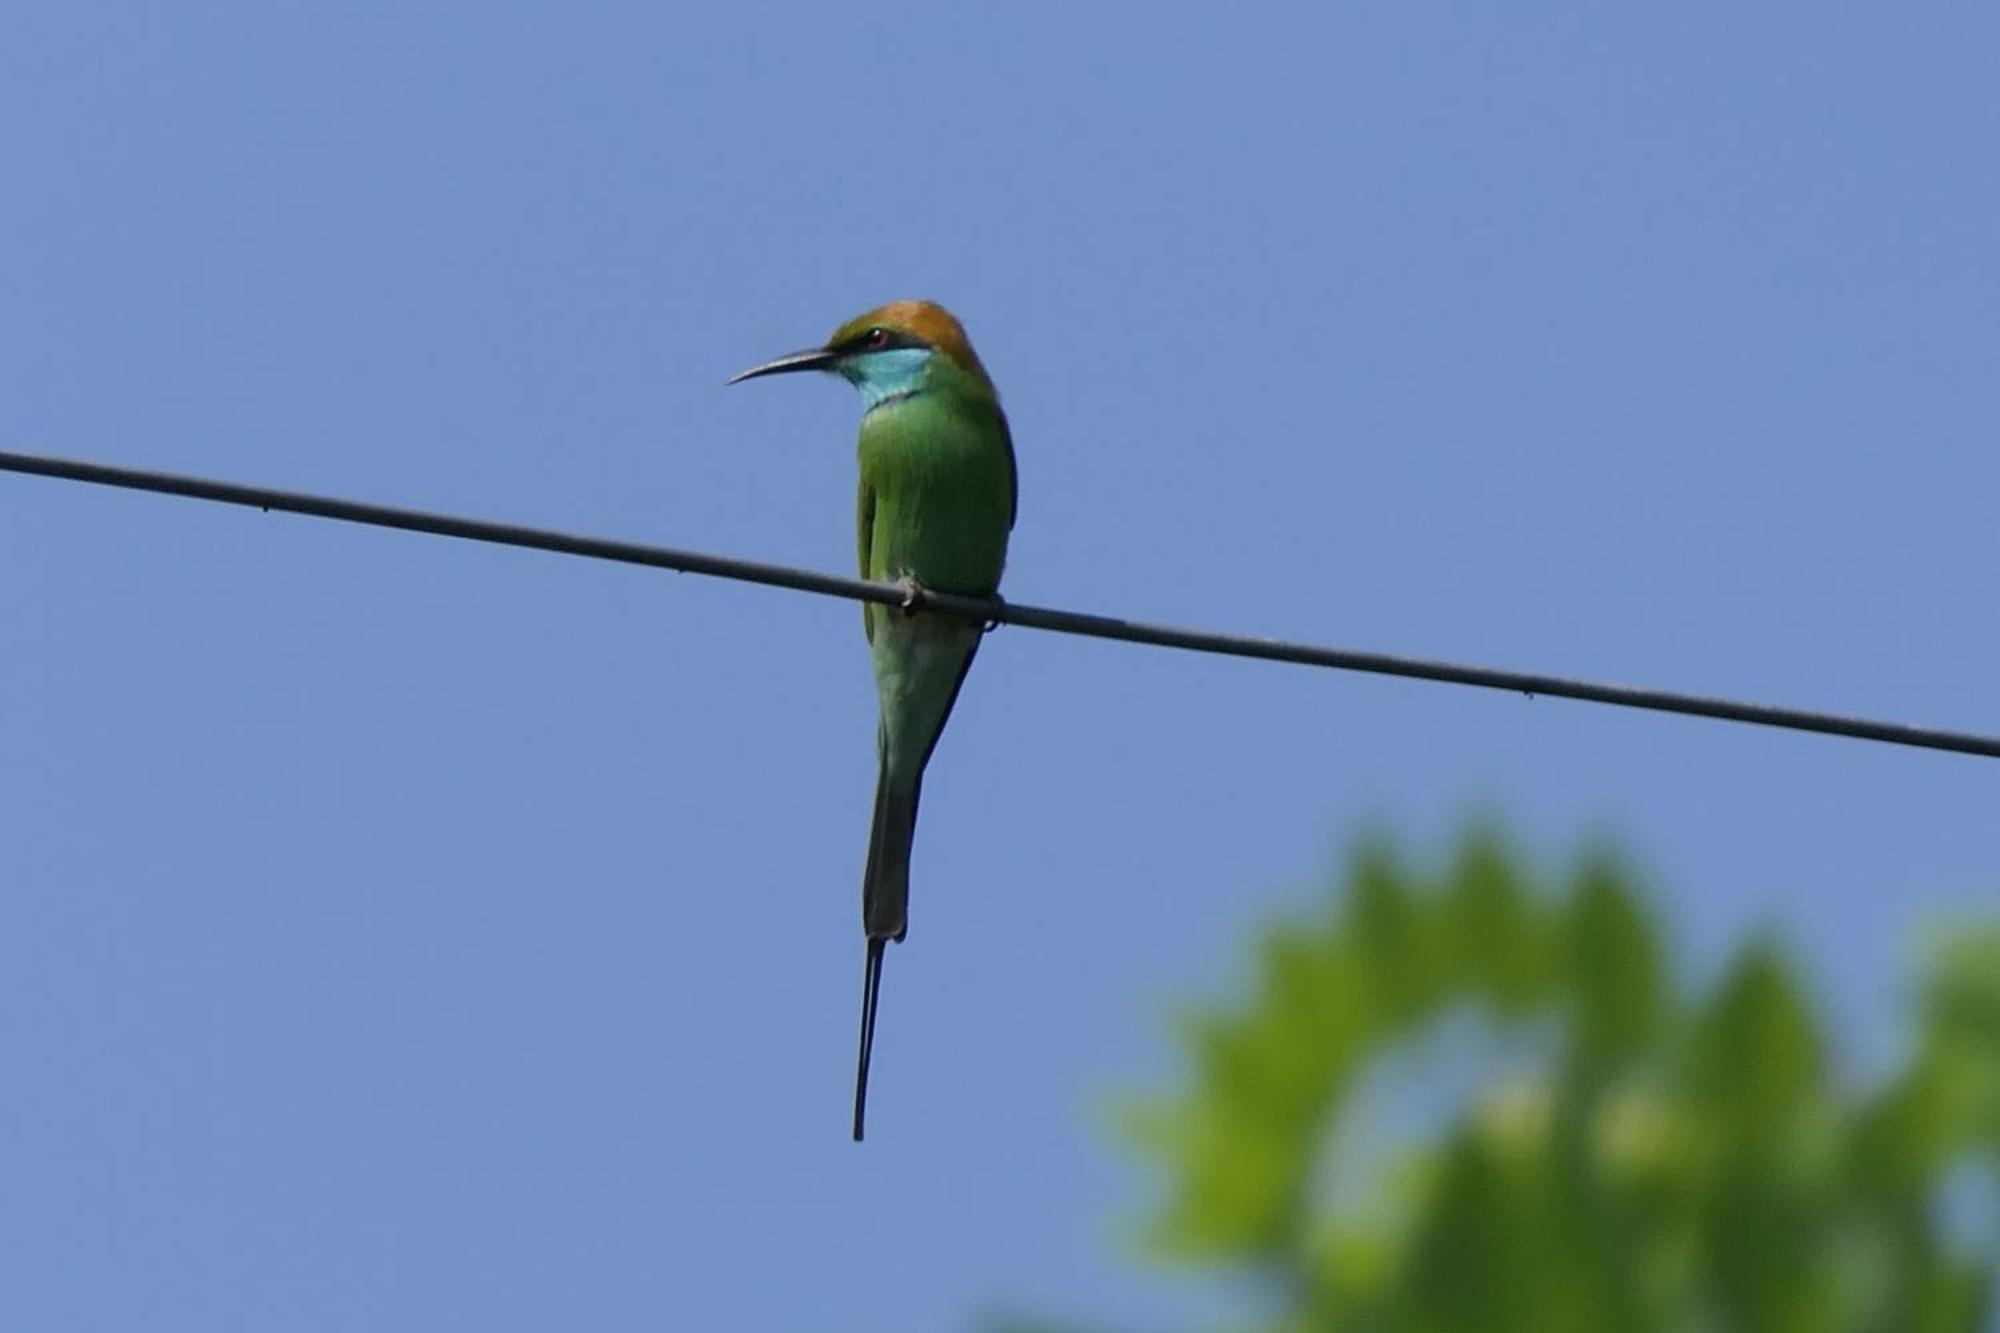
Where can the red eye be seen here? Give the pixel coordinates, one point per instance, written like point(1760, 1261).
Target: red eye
point(878, 337)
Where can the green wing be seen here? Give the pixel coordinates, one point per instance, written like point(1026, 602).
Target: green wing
point(867, 544)
point(1013, 469)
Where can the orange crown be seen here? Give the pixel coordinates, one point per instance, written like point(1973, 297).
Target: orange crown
point(920, 319)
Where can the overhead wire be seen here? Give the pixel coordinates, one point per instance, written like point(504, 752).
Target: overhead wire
point(996, 611)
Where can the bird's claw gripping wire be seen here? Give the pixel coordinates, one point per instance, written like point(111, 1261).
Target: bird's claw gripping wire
point(914, 595)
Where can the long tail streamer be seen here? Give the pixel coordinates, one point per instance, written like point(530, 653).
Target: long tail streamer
point(871, 993)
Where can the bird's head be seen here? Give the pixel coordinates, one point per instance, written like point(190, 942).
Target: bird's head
point(887, 353)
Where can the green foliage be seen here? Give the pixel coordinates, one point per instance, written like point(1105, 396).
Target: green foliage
point(1634, 1155)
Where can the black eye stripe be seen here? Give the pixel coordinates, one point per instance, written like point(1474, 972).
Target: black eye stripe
point(878, 340)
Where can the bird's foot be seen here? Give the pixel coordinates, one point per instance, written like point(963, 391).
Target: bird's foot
point(913, 594)
point(993, 622)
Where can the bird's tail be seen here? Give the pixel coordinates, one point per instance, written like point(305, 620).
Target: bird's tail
point(885, 884)
point(871, 993)
point(885, 901)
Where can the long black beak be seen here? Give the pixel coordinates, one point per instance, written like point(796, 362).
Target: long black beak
point(817, 359)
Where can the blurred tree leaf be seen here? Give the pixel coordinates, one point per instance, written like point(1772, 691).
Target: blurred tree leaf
point(1667, 1158)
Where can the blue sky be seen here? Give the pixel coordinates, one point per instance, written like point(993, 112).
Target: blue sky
point(397, 933)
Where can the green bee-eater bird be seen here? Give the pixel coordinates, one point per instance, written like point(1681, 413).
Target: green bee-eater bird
point(937, 503)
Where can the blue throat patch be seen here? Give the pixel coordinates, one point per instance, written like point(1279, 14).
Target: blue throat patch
point(887, 375)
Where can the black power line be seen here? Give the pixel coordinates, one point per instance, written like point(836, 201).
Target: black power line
point(1001, 612)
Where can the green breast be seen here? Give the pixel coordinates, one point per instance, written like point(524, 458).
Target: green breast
point(938, 467)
